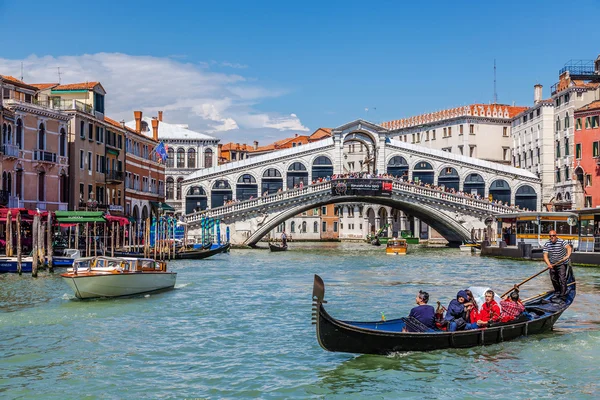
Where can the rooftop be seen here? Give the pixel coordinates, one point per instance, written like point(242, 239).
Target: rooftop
point(171, 131)
point(77, 86)
point(594, 105)
point(500, 111)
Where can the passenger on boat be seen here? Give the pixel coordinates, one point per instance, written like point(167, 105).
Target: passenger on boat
point(471, 314)
point(423, 312)
point(455, 312)
point(511, 307)
point(490, 311)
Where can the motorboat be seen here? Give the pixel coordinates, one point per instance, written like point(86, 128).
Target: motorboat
point(66, 259)
point(93, 277)
point(10, 264)
point(396, 247)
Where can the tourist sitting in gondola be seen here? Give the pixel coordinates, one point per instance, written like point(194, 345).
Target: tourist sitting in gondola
point(511, 307)
point(423, 312)
point(471, 315)
point(455, 312)
point(490, 311)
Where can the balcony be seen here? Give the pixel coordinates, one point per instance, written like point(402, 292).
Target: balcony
point(10, 150)
point(44, 156)
point(56, 103)
point(14, 202)
point(112, 176)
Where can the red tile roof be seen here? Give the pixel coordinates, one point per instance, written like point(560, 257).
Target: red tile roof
point(77, 86)
point(16, 81)
point(44, 86)
point(594, 105)
point(502, 111)
point(319, 134)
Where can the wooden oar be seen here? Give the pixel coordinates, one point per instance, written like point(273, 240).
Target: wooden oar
point(525, 281)
point(541, 294)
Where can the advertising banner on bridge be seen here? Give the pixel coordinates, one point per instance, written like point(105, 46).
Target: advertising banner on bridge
point(361, 187)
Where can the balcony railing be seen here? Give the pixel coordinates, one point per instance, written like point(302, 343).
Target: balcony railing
point(114, 176)
point(10, 150)
point(44, 156)
point(57, 103)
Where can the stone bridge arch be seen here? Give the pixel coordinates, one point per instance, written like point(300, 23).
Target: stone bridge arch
point(447, 225)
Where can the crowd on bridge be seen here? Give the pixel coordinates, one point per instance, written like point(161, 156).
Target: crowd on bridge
point(401, 179)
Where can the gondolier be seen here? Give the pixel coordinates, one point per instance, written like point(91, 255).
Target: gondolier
point(557, 254)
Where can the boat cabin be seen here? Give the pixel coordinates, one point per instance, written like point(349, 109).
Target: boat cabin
point(396, 246)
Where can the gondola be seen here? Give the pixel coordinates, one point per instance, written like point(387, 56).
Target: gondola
point(275, 247)
point(200, 254)
point(385, 337)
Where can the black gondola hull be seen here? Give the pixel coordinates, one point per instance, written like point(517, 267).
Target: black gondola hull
point(353, 337)
point(274, 247)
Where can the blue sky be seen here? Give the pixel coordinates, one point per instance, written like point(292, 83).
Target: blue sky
point(267, 69)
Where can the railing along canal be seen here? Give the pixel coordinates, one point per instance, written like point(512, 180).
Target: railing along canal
point(325, 187)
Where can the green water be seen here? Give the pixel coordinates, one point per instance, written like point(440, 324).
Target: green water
point(238, 326)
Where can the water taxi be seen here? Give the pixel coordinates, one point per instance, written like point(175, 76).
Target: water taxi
point(93, 277)
point(396, 247)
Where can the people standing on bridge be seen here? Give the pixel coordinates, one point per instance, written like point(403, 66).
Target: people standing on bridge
point(557, 255)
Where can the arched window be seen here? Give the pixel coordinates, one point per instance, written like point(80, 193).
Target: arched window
point(423, 172)
point(526, 197)
point(191, 158)
point(19, 133)
point(42, 137)
point(179, 182)
point(170, 188)
point(180, 158)
point(63, 143)
point(170, 158)
point(567, 121)
point(9, 135)
point(449, 178)
point(322, 167)
point(315, 227)
point(41, 186)
point(208, 158)
point(296, 173)
point(500, 190)
point(303, 226)
point(474, 184)
point(272, 182)
point(293, 227)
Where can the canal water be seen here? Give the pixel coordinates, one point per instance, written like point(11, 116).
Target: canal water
point(238, 326)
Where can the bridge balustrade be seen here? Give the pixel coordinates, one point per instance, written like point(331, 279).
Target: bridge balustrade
point(325, 186)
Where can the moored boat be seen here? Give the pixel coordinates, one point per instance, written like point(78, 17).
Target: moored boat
point(276, 247)
point(66, 260)
point(10, 264)
point(93, 277)
point(385, 337)
point(396, 247)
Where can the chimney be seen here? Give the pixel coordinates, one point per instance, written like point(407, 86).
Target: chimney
point(219, 147)
point(160, 116)
point(537, 93)
point(237, 146)
point(155, 129)
point(256, 145)
point(138, 121)
point(296, 135)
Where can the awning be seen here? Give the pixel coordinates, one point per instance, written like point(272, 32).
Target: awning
point(121, 220)
point(25, 215)
point(165, 207)
point(76, 217)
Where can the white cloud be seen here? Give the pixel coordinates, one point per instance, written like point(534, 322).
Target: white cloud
point(210, 102)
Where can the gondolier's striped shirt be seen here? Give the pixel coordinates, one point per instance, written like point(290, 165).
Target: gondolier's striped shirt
point(556, 251)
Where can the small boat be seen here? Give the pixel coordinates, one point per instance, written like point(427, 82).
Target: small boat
point(276, 247)
point(93, 277)
point(470, 246)
point(396, 247)
point(66, 259)
point(197, 254)
point(9, 264)
point(385, 337)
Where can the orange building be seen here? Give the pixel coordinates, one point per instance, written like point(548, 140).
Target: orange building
point(587, 152)
point(35, 163)
point(330, 222)
point(145, 173)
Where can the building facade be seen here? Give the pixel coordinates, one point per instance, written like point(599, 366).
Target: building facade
point(96, 171)
point(578, 85)
point(187, 152)
point(478, 130)
point(533, 137)
point(587, 153)
point(145, 172)
point(35, 162)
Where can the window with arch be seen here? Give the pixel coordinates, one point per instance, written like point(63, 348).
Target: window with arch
point(303, 226)
point(62, 146)
point(191, 158)
point(315, 227)
point(208, 158)
point(170, 188)
point(293, 226)
point(179, 183)
point(180, 158)
point(42, 137)
point(567, 121)
point(19, 133)
point(170, 158)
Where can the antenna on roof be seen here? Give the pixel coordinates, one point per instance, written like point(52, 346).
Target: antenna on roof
point(21, 70)
point(495, 92)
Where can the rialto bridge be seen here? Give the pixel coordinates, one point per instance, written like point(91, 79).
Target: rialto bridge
point(449, 192)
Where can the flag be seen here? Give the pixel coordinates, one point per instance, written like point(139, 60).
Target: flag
point(161, 151)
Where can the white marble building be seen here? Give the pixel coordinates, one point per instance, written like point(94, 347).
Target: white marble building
point(188, 152)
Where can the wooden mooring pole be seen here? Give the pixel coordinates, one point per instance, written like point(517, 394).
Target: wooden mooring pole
point(19, 248)
point(35, 238)
point(50, 250)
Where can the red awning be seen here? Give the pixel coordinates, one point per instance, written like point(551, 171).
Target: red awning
point(67, 225)
point(121, 220)
point(25, 216)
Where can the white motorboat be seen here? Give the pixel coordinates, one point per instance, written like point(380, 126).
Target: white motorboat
point(93, 277)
